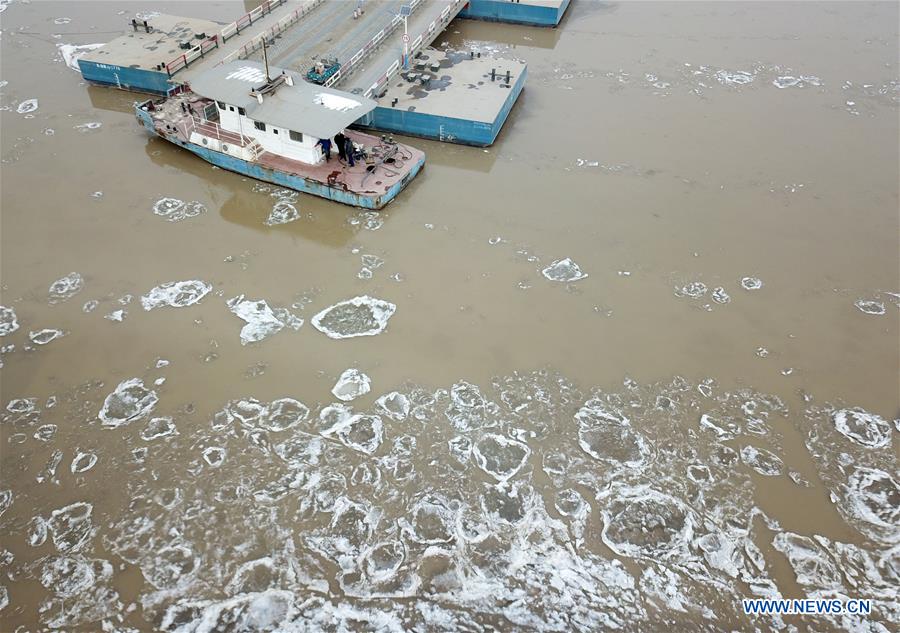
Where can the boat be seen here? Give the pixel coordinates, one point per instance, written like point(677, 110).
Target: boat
point(272, 125)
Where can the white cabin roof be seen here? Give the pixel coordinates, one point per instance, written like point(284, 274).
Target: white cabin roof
point(308, 108)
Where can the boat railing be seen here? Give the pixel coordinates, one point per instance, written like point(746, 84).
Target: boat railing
point(211, 129)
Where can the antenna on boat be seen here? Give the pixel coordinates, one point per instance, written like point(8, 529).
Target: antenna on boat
point(266, 59)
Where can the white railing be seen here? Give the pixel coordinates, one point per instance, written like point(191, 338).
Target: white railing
point(371, 45)
point(256, 43)
point(418, 43)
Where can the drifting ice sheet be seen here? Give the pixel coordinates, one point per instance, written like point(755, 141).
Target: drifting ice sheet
point(262, 321)
point(359, 316)
point(176, 294)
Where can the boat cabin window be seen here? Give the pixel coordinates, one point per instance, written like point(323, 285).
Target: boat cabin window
point(241, 111)
point(296, 136)
point(231, 108)
point(259, 126)
point(221, 105)
point(275, 129)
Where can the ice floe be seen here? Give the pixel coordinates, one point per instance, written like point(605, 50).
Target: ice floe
point(351, 384)
point(870, 306)
point(499, 456)
point(282, 213)
point(42, 337)
point(71, 53)
point(27, 106)
point(751, 283)
point(8, 321)
point(394, 405)
point(762, 461)
point(176, 294)
point(130, 401)
point(862, 427)
point(564, 270)
point(262, 320)
point(83, 462)
point(66, 287)
point(359, 432)
point(175, 210)
point(359, 316)
point(157, 428)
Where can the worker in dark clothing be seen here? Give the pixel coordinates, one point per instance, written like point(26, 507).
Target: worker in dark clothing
point(326, 147)
point(339, 143)
point(348, 149)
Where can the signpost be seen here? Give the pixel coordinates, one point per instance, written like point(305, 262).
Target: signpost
point(405, 12)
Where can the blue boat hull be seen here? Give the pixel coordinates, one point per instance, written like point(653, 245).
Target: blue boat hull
point(285, 179)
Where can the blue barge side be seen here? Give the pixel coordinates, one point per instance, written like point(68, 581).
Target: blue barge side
point(530, 12)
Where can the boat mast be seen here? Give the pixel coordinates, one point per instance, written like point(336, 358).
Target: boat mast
point(266, 59)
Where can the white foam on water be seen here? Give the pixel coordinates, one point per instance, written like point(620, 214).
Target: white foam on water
point(801, 81)
point(176, 294)
point(351, 384)
point(262, 321)
point(71, 53)
point(8, 321)
point(563, 270)
point(733, 78)
point(129, 402)
point(30, 105)
point(66, 287)
point(42, 337)
point(694, 290)
point(88, 127)
point(6, 499)
point(762, 461)
point(175, 210)
point(282, 213)
point(90, 306)
point(863, 428)
point(870, 306)
point(359, 316)
point(48, 472)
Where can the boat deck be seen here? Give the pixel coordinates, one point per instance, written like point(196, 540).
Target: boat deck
point(385, 164)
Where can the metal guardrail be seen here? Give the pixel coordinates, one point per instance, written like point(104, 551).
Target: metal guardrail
point(256, 43)
point(247, 19)
point(417, 44)
point(183, 61)
point(371, 45)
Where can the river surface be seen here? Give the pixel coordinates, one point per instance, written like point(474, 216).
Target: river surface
point(633, 363)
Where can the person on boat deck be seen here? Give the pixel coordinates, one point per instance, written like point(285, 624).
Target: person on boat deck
point(339, 142)
point(348, 149)
point(326, 147)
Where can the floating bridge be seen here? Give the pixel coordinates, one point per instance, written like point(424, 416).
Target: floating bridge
point(383, 47)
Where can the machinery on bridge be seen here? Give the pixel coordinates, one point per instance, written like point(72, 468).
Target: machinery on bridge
point(322, 70)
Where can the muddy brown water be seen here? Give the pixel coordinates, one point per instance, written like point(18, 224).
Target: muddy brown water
point(638, 449)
